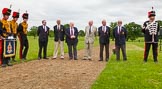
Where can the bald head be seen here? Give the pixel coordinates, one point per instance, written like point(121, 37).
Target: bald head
point(58, 21)
point(44, 22)
point(104, 22)
point(120, 23)
point(90, 22)
point(71, 24)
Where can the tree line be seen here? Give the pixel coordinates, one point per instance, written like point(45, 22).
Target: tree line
point(134, 30)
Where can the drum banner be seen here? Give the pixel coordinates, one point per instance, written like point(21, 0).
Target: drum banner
point(9, 48)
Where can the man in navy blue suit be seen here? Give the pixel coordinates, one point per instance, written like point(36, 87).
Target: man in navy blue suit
point(43, 32)
point(72, 41)
point(104, 35)
point(59, 33)
point(120, 34)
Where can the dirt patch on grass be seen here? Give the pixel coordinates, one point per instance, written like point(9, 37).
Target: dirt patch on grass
point(53, 74)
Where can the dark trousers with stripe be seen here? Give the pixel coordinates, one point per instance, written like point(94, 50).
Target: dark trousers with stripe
point(24, 46)
point(154, 49)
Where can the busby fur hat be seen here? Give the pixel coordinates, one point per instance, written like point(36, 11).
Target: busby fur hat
point(25, 16)
point(15, 15)
point(151, 13)
point(6, 11)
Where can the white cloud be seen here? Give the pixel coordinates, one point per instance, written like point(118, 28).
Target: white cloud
point(80, 11)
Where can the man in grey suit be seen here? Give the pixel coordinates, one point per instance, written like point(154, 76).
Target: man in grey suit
point(90, 33)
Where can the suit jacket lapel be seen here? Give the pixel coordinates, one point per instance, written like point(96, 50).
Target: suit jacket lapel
point(69, 31)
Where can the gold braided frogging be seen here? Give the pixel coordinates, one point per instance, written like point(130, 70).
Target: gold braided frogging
point(14, 26)
point(6, 25)
point(25, 26)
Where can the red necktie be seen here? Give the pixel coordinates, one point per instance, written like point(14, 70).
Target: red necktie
point(72, 31)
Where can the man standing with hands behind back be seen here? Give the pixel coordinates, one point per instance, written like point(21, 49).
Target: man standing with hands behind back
point(43, 32)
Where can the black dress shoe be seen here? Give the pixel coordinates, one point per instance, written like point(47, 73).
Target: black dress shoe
point(70, 58)
point(75, 59)
point(23, 58)
point(125, 60)
point(144, 61)
point(84, 59)
point(9, 64)
point(107, 60)
point(100, 60)
point(45, 58)
point(90, 59)
point(156, 61)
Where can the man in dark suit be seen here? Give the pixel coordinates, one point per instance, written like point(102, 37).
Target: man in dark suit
point(120, 34)
point(59, 33)
point(72, 40)
point(104, 34)
point(43, 32)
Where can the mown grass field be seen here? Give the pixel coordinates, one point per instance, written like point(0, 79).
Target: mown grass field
point(33, 47)
point(132, 74)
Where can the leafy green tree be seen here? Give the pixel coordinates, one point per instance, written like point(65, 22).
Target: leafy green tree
point(160, 32)
point(160, 22)
point(112, 26)
point(134, 30)
point(33, 31)
point(81, 33)
point(51, 33)
point(66, 26)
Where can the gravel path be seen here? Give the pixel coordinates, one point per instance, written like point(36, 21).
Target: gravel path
point(53, 74)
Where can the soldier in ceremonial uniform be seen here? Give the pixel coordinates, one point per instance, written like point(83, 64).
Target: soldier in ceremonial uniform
point(150, 30)
point(22, 30)
point(5, 31)
point(14, 26)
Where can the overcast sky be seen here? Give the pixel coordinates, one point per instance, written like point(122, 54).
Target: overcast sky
point(81, 11)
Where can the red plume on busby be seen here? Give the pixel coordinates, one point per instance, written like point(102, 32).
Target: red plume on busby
point(151, 13)
point(15, 15)
point(6, 11)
